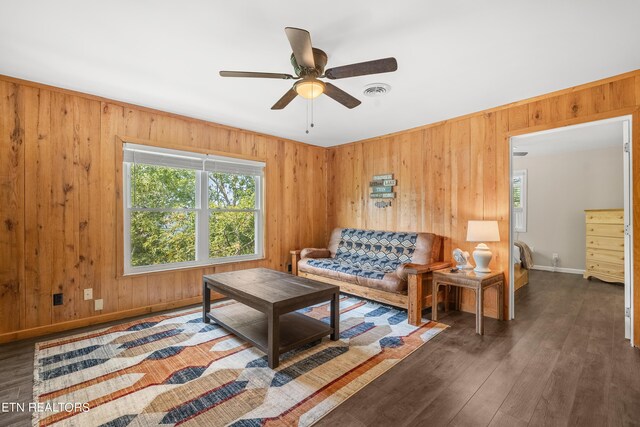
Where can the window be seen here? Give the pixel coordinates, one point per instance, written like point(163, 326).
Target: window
point(520, 201)
point(187, 209)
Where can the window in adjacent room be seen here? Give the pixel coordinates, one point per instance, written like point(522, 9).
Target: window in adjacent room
point(186, 209)
point(520, 201)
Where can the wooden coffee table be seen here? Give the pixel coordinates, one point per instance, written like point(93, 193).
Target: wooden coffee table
point(266, 316)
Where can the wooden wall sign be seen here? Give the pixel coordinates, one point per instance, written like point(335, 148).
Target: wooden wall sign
point(383, 182)
point(385, 176)
point(383, 195)
point(382, 188)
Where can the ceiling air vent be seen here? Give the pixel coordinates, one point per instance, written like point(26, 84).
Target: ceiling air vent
point(376, 89)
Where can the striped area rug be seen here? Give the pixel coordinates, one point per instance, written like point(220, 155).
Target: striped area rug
point(176, 370)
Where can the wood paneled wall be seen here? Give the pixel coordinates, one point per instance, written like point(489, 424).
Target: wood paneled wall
point(58, 224)
point(457, 170)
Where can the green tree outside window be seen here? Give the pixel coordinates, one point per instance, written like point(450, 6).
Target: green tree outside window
point(164, 213)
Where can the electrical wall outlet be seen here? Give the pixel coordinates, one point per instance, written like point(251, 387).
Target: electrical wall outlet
point(58, 299)
point(99, 304)
point(88, 294)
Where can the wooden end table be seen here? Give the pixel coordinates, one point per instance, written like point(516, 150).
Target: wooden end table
point(267, 314)
point(471, 280)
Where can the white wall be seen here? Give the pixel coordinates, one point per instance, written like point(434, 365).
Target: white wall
point(560, 187)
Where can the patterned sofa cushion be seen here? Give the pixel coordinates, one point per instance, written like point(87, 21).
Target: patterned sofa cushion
point(376, 250)
point(345, 267)
point(333, 269)
point(369, 253)
point(371, 258)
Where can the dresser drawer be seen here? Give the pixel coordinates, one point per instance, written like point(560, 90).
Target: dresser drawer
point(610, 243)
point(608, 269)
point(606, 230)
point(605, 217)
point(613, 257)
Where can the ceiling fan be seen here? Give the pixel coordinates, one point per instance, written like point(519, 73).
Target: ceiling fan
point(309, 66)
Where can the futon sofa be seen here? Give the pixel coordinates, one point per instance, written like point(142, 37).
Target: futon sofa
point(390, 267)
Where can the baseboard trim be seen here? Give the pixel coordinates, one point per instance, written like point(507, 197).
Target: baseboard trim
point(558, 269)
point(95, 320)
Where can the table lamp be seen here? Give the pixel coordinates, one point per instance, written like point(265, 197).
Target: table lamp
point(482, 231)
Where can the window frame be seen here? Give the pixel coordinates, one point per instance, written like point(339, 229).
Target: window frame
point(258, 223)
point(522, 211)
point(201, 211)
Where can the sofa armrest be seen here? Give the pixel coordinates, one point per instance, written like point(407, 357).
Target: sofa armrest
point(315, 253)
point(418, 276)
point(411, 268)
point(401, 271)
point(295, 257)
point(298, 254)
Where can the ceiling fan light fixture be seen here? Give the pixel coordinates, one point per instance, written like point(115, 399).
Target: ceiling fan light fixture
point(309, 88)
point(309, 66)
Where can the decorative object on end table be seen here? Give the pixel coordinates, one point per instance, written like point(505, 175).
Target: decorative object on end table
point(482, 231)
point(462, 259)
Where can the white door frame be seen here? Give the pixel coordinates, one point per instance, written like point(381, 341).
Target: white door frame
point(626, 121)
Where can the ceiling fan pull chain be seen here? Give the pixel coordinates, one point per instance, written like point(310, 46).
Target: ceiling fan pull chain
point(307, 108)
point(312, 98)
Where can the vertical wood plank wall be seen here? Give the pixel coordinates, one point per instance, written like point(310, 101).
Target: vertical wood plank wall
point(58, 205)
point(457, 170)
point(58, 196)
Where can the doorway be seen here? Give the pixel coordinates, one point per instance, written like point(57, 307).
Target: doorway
point(613, 137)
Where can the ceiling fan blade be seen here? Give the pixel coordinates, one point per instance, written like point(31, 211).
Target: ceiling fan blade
point(377, 66)
point(300, 41)
point(341, 96)
point(255, 75)
point(285, 100)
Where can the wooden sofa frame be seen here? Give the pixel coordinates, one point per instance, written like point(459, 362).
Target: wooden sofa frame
point(418, 295)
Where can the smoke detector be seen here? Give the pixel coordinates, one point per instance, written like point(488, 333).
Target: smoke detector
point(376, 89)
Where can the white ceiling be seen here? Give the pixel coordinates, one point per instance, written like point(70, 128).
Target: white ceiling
point(454, 57)
point(593, 136)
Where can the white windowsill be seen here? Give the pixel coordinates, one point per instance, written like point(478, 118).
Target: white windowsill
point(164, 268)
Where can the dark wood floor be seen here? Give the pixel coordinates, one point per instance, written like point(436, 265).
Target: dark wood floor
point(564, 361)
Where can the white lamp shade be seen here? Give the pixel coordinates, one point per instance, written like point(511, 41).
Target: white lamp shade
point(483, 231)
